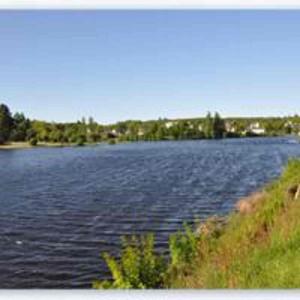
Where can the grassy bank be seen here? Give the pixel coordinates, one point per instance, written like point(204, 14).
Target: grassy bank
point(258, 246)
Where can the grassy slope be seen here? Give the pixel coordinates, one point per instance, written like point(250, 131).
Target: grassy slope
point(258, 249)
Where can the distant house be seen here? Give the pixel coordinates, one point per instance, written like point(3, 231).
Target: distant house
point(256, 128)
point(200, 127)
point(141, 132)
point(115, 132)
point(229, 127)
point(112, 134)
point(169, 124)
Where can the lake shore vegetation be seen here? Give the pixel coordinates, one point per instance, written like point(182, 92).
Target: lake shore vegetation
point(256, 246)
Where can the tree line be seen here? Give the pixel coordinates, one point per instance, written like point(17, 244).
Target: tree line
point(18, 128)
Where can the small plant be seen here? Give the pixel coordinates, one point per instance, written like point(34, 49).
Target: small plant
point(183, 246)
point(33, 141)
point(80, 141)
point(139, 266)
point(111, 142)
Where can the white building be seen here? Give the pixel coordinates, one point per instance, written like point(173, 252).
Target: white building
point(141, 132)
point(169, 124)
point(230, 127)
point(256, 128)
point(114, 132)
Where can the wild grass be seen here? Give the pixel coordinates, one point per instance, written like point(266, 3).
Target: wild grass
point(257, 247)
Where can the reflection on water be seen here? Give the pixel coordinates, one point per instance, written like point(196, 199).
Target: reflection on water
point(61, 207)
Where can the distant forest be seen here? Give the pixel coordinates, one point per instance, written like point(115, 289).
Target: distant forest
point(18, 128)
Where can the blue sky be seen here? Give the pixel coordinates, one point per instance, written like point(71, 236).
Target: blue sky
point(118, 65)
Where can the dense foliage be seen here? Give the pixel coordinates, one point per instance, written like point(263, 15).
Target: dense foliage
point(18, 128)
point(6, 123)
point(258, 246)
point(141, 267)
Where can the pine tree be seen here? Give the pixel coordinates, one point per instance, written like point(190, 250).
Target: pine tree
point(6, 123)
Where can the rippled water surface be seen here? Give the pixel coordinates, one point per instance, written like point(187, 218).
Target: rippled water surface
point(61, 207)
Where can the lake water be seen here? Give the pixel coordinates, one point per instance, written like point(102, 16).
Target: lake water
point(61, 207)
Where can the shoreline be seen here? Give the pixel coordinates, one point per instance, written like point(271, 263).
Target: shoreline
point(26, 145)
point(256, 245)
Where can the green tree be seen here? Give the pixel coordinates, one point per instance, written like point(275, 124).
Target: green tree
point(20, 127)
point(33, 141)
point(6, 123)
point(161, 133)
point(81, 140)
point(42, 130)
point(31, 134)
point(218, 127)
point(208, 126)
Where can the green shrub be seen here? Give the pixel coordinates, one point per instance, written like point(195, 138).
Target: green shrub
point(111, 142)
point(183, 246)
point(33, 141)
point(80, 141)
point(139, 266)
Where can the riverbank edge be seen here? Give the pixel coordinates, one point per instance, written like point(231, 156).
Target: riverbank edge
point(27, 145)
point(257, 245)
point(24, 145)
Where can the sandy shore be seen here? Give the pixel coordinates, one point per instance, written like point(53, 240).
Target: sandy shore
point(24, 145)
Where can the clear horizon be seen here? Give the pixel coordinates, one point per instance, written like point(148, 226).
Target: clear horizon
point(144, 65)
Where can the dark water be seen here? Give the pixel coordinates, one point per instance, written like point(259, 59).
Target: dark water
point(61, 207)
